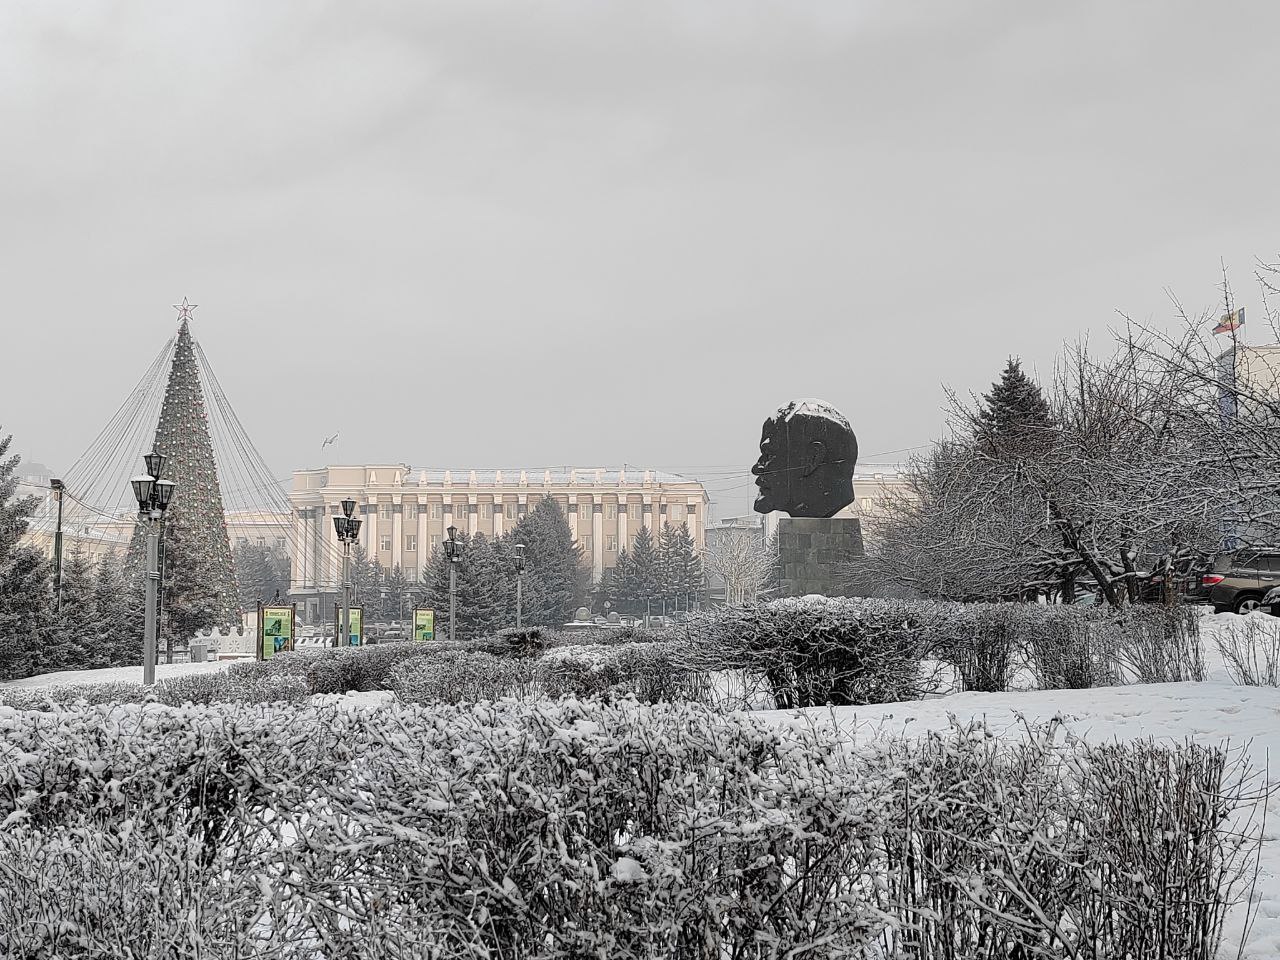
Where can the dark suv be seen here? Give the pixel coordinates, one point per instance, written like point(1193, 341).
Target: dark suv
point(1239, 580)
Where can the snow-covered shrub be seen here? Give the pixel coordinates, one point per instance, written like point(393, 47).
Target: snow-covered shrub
point(344, 669)
point(981, 640)
point(1159, 644)
point(817, 650)
point(652, 671)
point(1041, 849)
point(1250, 649)
point(52, 698)
point(541, 829)
point(461, 676)
point(1071, 646)
point(584, 670)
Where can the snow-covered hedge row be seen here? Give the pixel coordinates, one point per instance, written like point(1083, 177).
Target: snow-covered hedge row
point(819, 650)
point(549, 829)
point(243, 683)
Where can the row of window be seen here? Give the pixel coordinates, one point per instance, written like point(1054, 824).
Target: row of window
point(411, 542)
point(486, 510)
point(281, 542)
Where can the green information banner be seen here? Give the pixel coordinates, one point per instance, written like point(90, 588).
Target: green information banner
point(424, 624)
point(357, 625)
point(275, 630)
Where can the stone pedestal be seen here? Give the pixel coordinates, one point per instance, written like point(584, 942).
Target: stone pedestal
point(812, 551)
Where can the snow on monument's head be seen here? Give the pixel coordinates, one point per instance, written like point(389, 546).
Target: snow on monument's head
point(808, 452)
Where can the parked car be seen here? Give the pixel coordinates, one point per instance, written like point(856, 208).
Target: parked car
point(1241, 580)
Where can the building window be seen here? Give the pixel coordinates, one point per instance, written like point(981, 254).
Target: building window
point(384, 541)
point(611, 511)
point(242, 541)
point(411, 511)
point(435, 542)
point(585, 540)
point(486, 511)
point(611, 542)
point(262, 541)
point(411, 543)
point(384, 511)
point(280, 543)
point(436, 510)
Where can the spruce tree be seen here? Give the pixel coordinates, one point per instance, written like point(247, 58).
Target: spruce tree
point(73, 643)
point(398, 593)
point(118, 603)
point(191, 602)
point(1013, 418)
point(554, 570)
point(25, 598)
point(644, 574)
point(25, 611)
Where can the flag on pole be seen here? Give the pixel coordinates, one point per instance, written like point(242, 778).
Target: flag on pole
point(1230, 321)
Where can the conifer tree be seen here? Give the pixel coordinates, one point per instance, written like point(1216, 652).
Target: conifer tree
point(398, 594)
point(25, 599)
point(191, 602)
point(118, 604)
point(554, 571)
point(1013, 418)
point(643, 574)
point(72, 644)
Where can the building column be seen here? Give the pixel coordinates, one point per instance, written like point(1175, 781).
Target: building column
point(499, 511)
point(691, 518)
point(317, 540)
point(298, 554)
point(397, 532)
point(473, 515)
point(446, 518)
point(573, 517)
point(333, 547)
point(662, 517)
point(597, 541)
point(646, 515)
point(623, 507)
point(424, 554)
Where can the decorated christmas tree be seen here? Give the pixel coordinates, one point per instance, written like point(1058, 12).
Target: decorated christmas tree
point(205, 594)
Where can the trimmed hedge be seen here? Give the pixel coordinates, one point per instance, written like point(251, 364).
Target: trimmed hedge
point(555, 829)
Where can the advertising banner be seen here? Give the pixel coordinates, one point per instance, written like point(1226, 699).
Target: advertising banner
point(275, 630)
point(424, 624)
point(357, 625)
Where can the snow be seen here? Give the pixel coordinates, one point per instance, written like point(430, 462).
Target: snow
point(116, 674)
point(812, 407)
point(1246, 719)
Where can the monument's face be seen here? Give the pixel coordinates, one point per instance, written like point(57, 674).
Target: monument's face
point(807, 456)
point(773, 480)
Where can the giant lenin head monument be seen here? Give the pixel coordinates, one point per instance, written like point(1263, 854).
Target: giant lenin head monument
point(808, 453)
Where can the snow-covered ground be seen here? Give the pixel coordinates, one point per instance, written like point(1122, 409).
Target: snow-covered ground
point(1214, 711)
point(116, 674)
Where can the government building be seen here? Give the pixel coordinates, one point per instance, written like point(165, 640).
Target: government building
point(406, 512)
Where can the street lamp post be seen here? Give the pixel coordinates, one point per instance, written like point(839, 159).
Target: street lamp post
point(519, 582)
point(347, 527)
point(153, 496)
point(57, 487)
point(453, 550)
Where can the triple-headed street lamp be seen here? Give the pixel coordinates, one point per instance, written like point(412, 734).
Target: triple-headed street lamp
point(347, 527)
point(453, 550)
point(153, 496)
point(519, 581)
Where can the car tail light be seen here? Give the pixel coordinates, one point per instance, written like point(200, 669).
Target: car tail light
point(1211, 579)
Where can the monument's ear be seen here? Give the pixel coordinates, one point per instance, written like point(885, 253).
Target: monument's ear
point(815, 455)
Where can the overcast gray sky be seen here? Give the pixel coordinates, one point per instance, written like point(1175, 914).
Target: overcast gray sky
point(503, 233)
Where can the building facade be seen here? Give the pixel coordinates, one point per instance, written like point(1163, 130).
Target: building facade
point(406, 513)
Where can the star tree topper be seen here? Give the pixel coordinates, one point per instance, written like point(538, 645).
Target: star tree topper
point(184, 309)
